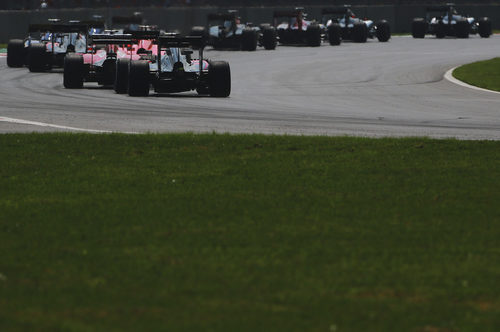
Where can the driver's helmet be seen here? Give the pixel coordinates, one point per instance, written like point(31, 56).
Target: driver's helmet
point(227, 24)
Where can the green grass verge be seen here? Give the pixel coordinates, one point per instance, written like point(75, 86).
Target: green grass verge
point(248, 233)
point(484, 74)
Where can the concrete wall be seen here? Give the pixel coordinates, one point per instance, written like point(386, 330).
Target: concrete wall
point(14, 24)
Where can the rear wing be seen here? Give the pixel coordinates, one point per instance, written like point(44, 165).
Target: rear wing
point(143, 35)
point(58, 28)
point(124, 39)
point(181, 42)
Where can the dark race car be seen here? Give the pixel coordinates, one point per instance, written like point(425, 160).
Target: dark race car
point(444, 20)
point(225, 31)
point(47, 45)
point(174, 69)
point(294, 29)
point(341, 24)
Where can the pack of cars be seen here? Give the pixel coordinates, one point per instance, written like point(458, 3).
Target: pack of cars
point(226, 31)
point(135, 59)
point(46, 45)
point(294, 28)
point(444, 20)
point(341, 24)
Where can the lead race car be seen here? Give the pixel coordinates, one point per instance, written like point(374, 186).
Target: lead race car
point(173, 69)
point(295, 29)
point(225, 31)
point(47, 45)
point(342, 24)
point(444, 20)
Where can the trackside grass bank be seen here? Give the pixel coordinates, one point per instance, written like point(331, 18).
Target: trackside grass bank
point(484, 74)
point(248, 233)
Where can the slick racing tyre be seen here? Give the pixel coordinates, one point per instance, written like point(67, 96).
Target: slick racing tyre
point(418, 28)
point(484, 27)
point(121, 78)
point(249, 40)
point(359, 32)
point(440, 30)
point(15, 53)
point(138, 78)
point(334, 34)
point(313, 35)
point(37, 58)
point(73, 71)
point(269, 37)
point(462, 28)
point(199, 31)
point(383, 31)
point(219, 79)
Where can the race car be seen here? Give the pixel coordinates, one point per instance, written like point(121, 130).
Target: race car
point(342, 24)
point(47, 44)
point(443, 21)
point(173, 69)
point(225, 31)
point(107, 54)
point(295, 29)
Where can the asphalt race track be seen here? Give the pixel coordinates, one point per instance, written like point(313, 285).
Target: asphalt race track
point(373, 89)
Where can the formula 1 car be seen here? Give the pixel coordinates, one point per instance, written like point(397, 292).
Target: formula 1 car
point(108, 56)
point(295, 30)
point(173, 70)
point(46, 45)
point(443, 21)
point(342, 24)
point(98, 64)
point(225, 31)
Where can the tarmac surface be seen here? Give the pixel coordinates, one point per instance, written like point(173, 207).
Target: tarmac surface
point(373, 89)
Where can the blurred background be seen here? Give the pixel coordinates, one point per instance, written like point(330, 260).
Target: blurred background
point(182, 15)
point(44, 4)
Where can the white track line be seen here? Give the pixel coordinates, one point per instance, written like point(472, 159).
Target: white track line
point(42, 124)
point(448, 75)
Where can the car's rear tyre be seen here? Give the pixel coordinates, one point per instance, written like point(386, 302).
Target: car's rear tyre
point(121, 78)
point(37, 58)
point(199, 31)
point(313, 35)
point(334, 34)
point(440, 30)
point(138, 78)
point(15, 53)
point(219, 79)
point(249, 40)
point(73, 71)
point(484, 27)
point(269, 37)
point(418, 28)
point(359, 32)
point(383, 31)
point(462, 28)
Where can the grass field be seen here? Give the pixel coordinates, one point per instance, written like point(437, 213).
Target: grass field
point(248, 233)
point(484, 74)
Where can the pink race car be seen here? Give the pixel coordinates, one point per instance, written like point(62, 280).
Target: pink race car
point(106, 57)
